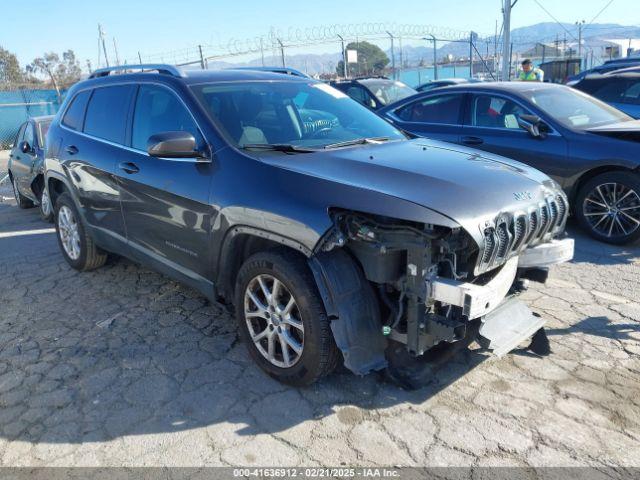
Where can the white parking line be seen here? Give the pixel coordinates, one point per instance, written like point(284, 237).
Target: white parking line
point(21, 233)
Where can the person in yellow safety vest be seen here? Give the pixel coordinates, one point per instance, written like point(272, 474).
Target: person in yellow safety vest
point(530, 73)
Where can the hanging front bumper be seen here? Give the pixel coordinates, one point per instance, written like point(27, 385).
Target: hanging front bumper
point(547, 254)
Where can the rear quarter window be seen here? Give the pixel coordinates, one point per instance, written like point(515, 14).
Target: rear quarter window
point(107, 113)
point(74, 116)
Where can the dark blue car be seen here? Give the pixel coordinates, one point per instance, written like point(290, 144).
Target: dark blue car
point(589, 147)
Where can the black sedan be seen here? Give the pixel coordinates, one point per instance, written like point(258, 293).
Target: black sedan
point(589, 147)
point(425, 87)
point(26, 168)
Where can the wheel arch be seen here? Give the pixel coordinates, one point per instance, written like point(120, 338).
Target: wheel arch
point(594, 172)
point(240, 243)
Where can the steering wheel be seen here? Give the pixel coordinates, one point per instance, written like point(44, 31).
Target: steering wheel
point(321, 132)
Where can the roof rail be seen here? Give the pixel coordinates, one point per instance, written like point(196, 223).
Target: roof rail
point(159, 67)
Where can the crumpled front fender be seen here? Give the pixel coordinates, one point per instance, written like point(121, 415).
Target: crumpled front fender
point(353, 309)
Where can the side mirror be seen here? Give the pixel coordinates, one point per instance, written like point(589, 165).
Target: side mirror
point(533, 124)
point(25, 147)
point(175, 145)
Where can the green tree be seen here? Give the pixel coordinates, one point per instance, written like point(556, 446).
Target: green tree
point(371, 60)
point(9, 68)
point(61, 72)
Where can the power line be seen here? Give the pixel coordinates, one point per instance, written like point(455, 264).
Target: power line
point(599, 13)
point(555, 19)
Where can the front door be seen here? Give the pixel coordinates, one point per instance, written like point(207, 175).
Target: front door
point(22, 163)
point(492, 125)
point(165, 201)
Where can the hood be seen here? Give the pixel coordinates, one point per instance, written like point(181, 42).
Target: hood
point(627, 131)
point(463, 184)
point(629, 126)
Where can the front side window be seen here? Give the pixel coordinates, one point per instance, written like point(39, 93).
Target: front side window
point(107, 113)
point(159, 110)
point(495, 112)
point(573, 108)
point(632, 94)
point(298, 113)
point(20, 135)
point(74, 116)
point(43, 128)
point(442, 109)
point(360, 95)
point(28, 135)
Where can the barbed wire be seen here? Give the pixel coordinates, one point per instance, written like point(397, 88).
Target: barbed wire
point(305, 36)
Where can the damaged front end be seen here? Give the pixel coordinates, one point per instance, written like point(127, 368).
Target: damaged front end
point(391, 282)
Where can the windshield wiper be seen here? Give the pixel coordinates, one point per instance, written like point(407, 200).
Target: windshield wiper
point(358, 141)
point(277, 147)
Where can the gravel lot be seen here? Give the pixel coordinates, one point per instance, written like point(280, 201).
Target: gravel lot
point(122, 366)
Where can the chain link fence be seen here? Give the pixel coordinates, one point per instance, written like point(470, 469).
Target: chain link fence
point(18, 102)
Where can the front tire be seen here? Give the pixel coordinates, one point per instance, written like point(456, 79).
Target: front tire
point(77, 246)
point(21, 200)
point(608, 207)
point(282, 319)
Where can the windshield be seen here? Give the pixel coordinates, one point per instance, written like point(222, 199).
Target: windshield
point(302, 114)
point(575, 109)
point(387, 91)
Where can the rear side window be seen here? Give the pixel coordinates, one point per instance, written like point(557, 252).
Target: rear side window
point(444, 109)
point(107, 113)
point(74, 115)
point(611, 91)
point(159, 110)
point(632, 94)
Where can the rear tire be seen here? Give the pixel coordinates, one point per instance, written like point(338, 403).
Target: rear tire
point(77, 246)
point(608, 207)
point(46, 209)
point(21, 200)
point(315, 354)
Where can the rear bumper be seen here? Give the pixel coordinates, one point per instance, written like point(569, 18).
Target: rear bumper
point(547, 254)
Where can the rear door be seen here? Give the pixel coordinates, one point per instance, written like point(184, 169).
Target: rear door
point(94, 127)
point(165, 201)
point(436, 116)
point(491, 124)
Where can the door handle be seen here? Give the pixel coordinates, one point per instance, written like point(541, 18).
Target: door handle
point(129, 167)
point(72, 149)
point(472, 140)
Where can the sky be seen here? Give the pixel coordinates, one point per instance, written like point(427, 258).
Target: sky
point(156, 26)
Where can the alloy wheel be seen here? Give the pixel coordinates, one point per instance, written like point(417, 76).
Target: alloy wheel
point(612, 210)
point(16, 194)
point(274, 321)
point(45, 203)
point(69, 233)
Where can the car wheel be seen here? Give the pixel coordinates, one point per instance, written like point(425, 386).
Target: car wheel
point(21, 200)
point(46, 209)
point(282, 319)
point(608, 207)
point(76, 244)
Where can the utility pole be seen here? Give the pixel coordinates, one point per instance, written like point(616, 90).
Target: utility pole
point(495, 50)
point(140, 58)
point(435, 55)
point(201, 57)
point(401, 59)
point(393, 57)
point(104, 46)
point(580, 24)
point(506, 41)
point(471, 55)
point(281, 51)
point(344, 57)
point(115, 49)
point(262, 50)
